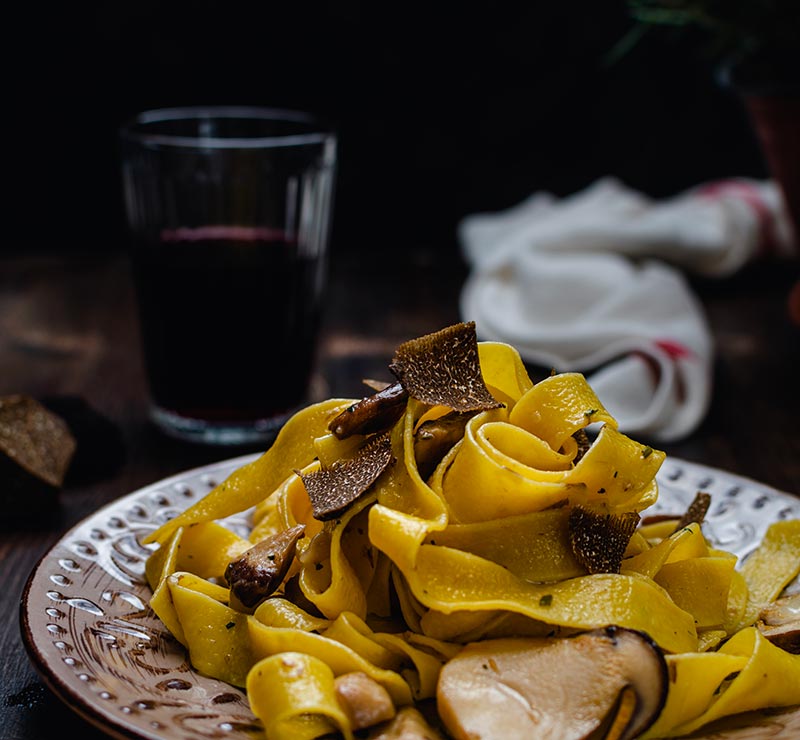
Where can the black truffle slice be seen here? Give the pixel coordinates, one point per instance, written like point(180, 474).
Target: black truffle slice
point(696, 512)
point(443, 368)
point(584, 443)
point(261, 569)
point(331, 490)
point(36, 449)
point(599, 540)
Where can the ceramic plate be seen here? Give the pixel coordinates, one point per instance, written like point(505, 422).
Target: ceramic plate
point(87, 627)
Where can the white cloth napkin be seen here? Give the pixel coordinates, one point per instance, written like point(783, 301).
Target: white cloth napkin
point(594, 283)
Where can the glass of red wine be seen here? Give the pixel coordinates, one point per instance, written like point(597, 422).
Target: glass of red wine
point(229, 211)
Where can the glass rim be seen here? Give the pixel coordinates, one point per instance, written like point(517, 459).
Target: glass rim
point(135, 129)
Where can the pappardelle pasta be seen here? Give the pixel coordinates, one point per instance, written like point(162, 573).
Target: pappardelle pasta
point(421, 555)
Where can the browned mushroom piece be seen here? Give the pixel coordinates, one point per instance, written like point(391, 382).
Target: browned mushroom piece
point(363, 699)
point(779, 622)
point(375, 413)
point(443, 369)
point(696, 512)
point(598, 540)
point(408, 724)
point(608, 683)
point(332, 490)
point(261, 569)
point(434, 438)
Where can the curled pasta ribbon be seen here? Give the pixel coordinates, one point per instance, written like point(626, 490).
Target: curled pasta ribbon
point(698, 579)
point(335, 582)
point(585, 602)
point(772, 566)
point(511, 463)
point(252, 483)
point(747, 672)
point(503, 372)
point(294, 696)
point(534, 547)
point(202, 549)
point(225, 643)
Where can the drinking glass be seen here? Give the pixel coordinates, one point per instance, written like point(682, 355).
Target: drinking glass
point(229, 211)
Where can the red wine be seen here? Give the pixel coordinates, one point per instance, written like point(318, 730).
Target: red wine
point(229, 318)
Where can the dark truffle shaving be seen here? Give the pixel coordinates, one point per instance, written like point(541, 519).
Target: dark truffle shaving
point(584, 443)
point(443, 368)
point(696, 512)
point(332, 490)
point(599, 540)
point(35, 439)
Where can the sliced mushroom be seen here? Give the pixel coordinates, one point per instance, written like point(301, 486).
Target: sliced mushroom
point(375, 413)
point(363, 699)
point(608, 683)
point(780, 623)
point(408, 724)
point(262, 568)
point(434, 438)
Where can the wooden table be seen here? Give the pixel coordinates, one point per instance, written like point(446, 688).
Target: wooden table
point(68, 329)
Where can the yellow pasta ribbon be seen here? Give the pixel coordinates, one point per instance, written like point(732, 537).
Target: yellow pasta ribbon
point(585, 602)
point(294, 696)
point(774, 564)
point(203, 550)
point(341, 658)
point(334, 586)
point(280, 612)
point(686, 542)
point(511, 464)
point(747, 672)
point(701, 587)
point(534, 547)
point(248, 485)
point(216, 636)
point(557, 407)
point(503, 372)
point(225, 643)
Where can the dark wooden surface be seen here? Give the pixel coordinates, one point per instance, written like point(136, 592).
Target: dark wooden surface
point(68, 331)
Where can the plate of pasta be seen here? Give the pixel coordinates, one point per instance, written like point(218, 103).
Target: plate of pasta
point(461, 553)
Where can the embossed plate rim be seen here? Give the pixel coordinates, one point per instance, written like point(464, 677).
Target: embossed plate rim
point(143, 509)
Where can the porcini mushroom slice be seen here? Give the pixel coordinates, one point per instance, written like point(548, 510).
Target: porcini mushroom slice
point(435, 437)
point(554, 688)
point(261, 569)
point(408, 724)
point(599, 539)
point(363, 699)
point(375, 413)
point(444, 369)
point(331, 490)
point(779, 622)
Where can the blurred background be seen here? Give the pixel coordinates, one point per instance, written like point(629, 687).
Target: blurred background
point(440, 113)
